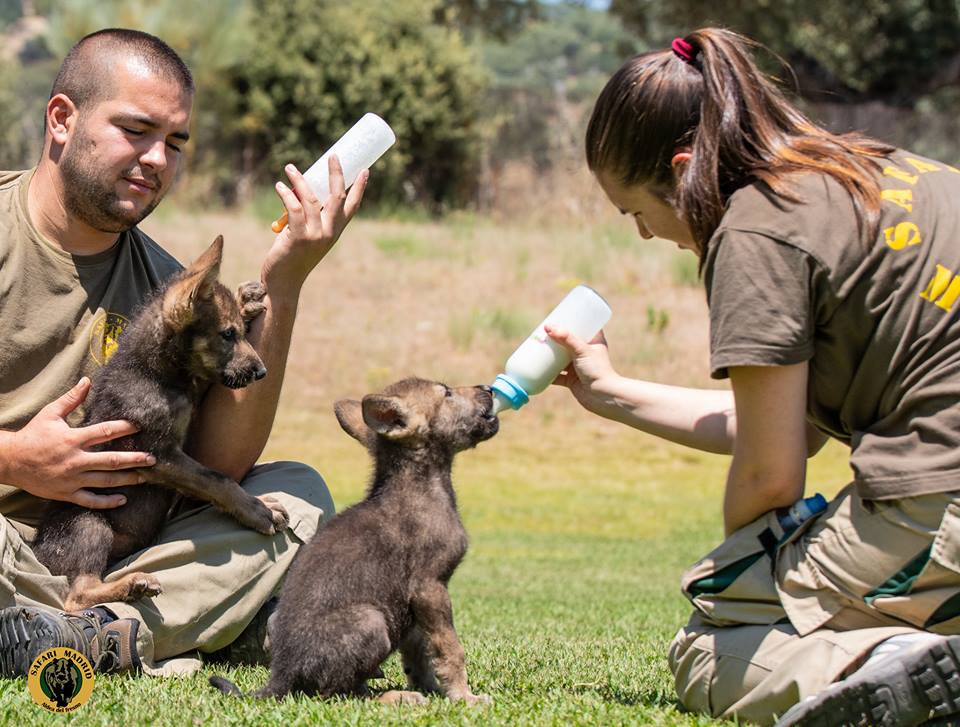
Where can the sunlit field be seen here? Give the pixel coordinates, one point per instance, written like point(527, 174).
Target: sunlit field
point(579, 528)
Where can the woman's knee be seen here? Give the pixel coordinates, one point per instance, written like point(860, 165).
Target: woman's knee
point(692, 661)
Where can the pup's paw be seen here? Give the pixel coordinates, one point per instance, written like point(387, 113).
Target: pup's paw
point(250, 295)
point(397, 696)
point(265, 515)
point(277, 511)
point(140, 585)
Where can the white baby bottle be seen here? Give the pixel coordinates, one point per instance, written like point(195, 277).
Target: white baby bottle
point(358, 149)
point(536, 363)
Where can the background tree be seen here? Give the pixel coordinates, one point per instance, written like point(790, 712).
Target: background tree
point(544, 76)
point(891, 69)
point(896, 52)
point(493, 18)
point(321, 66)
point(473, 87)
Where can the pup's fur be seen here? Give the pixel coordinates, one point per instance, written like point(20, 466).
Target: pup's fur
point(375, 578)
point(186, 337)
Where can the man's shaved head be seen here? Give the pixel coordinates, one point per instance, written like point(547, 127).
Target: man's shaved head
point(85, 72)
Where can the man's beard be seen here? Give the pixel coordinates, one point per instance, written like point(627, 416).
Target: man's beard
point(90, 193)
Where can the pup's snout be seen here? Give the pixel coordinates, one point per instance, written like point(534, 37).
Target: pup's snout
point(260, 373)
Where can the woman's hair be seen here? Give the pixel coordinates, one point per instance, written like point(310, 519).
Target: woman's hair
point(736, 123)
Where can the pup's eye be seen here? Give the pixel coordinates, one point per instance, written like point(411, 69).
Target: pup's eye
point(229, 335)
point(447, 391)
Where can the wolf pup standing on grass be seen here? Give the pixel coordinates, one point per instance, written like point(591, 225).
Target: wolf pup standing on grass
point(186, 337)
point(375, 578)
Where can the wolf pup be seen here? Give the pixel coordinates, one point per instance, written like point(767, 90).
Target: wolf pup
point(374, 579)
point(187, 336)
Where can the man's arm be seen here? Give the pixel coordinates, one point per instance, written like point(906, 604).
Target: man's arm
point(231, 428)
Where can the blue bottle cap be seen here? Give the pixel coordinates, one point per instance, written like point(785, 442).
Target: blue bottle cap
point(817, 503)
point(510, 390)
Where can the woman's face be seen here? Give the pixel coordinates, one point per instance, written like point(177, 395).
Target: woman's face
point(654, 217)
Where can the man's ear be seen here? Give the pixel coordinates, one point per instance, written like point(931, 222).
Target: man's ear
point(193, 284)
point(350, 416)
point(61, 118)
point(388, 416)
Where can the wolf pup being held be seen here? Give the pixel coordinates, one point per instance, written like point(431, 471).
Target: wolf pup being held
point(375, 578)
point(188, 336)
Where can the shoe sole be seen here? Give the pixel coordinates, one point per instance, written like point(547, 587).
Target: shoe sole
point(24, 634)
point(906, 690)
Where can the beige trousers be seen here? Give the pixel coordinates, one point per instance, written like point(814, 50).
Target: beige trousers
point(781, 616)
point(215, 573)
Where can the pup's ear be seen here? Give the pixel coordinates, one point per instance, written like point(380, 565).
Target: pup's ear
point(350, 416)
point(193, 284)
point(389, 416)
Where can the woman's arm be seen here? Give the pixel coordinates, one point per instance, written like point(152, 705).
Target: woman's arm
point(770, 450)
point(704, 419)
point(700, 418)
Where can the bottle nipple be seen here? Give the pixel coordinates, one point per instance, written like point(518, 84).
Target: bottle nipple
point(507, 393)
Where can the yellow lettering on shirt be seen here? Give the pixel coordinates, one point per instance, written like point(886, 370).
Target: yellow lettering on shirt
point(938, 285)
point(950, 297)
point(951, 169)
point(922, 166)
point(901, 175)
point(901, 197)
point(903, 235)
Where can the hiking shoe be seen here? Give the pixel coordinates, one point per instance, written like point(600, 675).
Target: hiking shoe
point(25, 632)
point(907, 688)
point(252, 646)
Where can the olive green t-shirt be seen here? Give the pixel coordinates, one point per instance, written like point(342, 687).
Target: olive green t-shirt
point(879, 324)
point(60, 314)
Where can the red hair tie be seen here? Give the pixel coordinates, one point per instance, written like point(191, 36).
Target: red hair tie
point(683, 49)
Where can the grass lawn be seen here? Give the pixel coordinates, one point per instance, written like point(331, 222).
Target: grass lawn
point(579, 528)
point(565, 604)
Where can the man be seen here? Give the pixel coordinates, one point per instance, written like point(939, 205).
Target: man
point(73, 269)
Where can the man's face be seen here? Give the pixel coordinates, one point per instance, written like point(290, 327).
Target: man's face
point(123, 154)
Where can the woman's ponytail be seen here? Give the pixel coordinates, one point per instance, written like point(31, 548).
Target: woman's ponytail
point(738, 125)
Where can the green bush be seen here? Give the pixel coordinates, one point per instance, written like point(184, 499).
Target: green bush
point(320, 66)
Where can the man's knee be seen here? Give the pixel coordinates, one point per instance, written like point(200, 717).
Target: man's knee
point(299, 488)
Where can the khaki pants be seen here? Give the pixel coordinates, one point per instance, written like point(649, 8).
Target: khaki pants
point(215, 573)
point(781, 616)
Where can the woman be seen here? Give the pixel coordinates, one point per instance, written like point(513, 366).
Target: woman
point(829, 263)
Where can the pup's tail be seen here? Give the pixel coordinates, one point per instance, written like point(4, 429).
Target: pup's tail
point(226, 686)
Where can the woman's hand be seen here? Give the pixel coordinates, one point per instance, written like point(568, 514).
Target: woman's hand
point(590, 375)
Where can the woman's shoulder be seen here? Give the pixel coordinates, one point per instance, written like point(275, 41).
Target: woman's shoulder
point(804, 206)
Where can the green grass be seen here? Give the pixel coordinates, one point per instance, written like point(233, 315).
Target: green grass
point(402, 246)
point(503, 323)
point(565, 604)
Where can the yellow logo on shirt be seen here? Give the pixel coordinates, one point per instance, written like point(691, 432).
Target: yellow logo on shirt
point(105, 336)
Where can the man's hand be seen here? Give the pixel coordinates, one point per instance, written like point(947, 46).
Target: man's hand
point(313, 227)
point(49, 459)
